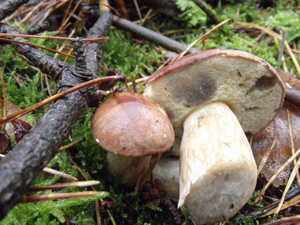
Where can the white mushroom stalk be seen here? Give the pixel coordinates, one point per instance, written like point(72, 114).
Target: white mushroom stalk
point(128, 169)
point(213, 98)
point(217, 164)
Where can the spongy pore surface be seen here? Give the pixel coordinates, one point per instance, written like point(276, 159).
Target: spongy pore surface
point(247, 84)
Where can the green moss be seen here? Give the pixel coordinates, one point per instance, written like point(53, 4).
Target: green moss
point(120, 52)
point(52, 212)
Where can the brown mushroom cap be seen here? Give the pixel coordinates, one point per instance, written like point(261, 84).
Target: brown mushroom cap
point(246, 83)
point(131, 124)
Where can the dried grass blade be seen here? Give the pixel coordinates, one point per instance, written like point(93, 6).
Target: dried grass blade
point(63, 185)
point(199, 39)
point(59, 173)
point(38, 198)
point(276, 175)
point(4, 95)
point(286, 205)
point(265, 158)
point(13, 116)
point(288, 185)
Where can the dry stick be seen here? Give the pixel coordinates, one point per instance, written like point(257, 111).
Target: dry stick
point(248, 43)
point(32, 11)
point(134, 89)
point(265, 157)
point(53, 37)
point(151, 36)
point(71, 144)
point(70, 52)
point(4, 96)
point(281, 51)
point(58, 196)
point(67, 11)
point(288, 220)
point(48, 85)
point(2, 128)
point(40, 15)
point(146, 16)
point(288, 185)
point(63, 185)
point(292, 95)
point(42, 87)
point(138, 10)
point(8, 7)
point(64, 45)
point(292, 143)
point(270, 209)
point(38, 147)
point(199, 39)
point(56, 172)
point(16, 115)
point(36, 46)
point(57, 5)
point(74, 9)
point(59, 173)
point(214, 19)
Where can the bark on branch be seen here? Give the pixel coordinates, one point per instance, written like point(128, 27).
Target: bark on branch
point(151, 36)
point(19, 168)
point(9, 6)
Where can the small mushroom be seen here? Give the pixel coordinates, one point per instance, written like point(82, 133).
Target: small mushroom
point(132, 128)
point(212, 98)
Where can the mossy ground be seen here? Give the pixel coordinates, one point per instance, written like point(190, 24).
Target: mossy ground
point(121, 52)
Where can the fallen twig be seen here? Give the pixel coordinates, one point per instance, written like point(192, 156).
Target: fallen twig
point(151, 36)
point(213, 18)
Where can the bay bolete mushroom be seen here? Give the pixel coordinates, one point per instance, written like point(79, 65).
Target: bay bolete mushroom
point(132, 128)
point(212, 98)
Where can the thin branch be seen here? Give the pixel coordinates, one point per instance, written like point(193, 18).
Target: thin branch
point(45, 63)
point(202, 6)
point(281, 51)
point(9, 6)
point(27, 159)
point(54, 37)
point(151, 36)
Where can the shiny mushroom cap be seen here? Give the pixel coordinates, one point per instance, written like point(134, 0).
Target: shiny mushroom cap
point(133, 125)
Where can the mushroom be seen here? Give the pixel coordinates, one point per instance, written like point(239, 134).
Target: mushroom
point(132, 128)
point(167, 171)
point(212, 98)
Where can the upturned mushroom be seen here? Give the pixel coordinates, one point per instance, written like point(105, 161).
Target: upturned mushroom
point(132, 128)
point(213, 98)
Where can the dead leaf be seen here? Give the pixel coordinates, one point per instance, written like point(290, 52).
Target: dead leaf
point(4, 142)
point(20, 129)
point(290, 79)
point(278, 130)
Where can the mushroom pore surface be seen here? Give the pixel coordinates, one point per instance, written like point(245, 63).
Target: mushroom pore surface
point(246, 83)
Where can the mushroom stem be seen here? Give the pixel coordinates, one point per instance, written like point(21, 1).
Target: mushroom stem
point(167, 171)
point(128, 169)
point(217, 168)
